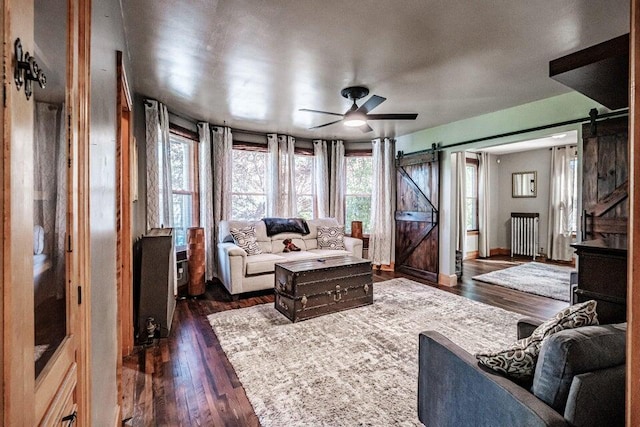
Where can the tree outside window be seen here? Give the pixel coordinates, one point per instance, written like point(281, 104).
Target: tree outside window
point(304, 186)
point(248, 185)
point(183, 186)
point(471, 194)
point(359, 186)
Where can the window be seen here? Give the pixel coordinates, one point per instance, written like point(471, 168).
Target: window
point(471, 194)
point(359, 187)
point(184, 168)
point(248, 185)
point(304, 186)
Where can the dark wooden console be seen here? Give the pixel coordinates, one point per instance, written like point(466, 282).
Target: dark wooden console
point(602, 276)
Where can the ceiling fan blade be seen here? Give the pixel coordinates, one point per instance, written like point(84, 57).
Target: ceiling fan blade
point(366, 128)
point(411, 116)
point(322, 112)
point(371, 103)
point(326, 124)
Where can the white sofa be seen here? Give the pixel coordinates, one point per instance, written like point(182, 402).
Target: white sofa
point(241, 273)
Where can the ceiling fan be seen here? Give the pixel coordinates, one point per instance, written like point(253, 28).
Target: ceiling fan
point(358, 116)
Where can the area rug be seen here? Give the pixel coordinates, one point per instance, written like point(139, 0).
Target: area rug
point(357, 367)
point(548, 280)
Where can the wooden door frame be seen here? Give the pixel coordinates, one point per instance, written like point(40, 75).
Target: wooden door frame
point(633, 280)
point(124, 241)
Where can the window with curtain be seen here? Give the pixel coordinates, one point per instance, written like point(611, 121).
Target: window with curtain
point(471, 194)
point(184, 186)
point(249, 184)
point(303, 170)
point(358, 189)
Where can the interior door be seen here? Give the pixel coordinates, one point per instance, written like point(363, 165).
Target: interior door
point(417, 216)
point(42, 346)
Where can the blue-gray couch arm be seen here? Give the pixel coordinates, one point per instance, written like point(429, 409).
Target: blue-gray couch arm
point(454, 391)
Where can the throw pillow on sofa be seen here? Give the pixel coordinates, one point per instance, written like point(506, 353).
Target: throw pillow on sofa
point(331, 238)
point(519, 360)
point(245, 237)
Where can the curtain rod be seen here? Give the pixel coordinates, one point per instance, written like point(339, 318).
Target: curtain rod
point(592, 118)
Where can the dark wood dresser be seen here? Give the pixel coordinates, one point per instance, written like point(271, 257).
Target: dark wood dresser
point(602, 276)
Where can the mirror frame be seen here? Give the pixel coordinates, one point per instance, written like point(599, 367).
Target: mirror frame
point(535, 185)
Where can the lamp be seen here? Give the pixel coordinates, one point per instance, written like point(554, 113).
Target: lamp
point(354, 119)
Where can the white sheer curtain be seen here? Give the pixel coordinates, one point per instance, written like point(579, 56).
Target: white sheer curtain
point(461, 201)
point(274, 205)
point(484, 249)
point(287, 175)
point(381, 236)
point(222, 167)
point(321, 178)
point(562, 209)
point(205, 176)
point(159, 198)
point(337, 181)
point(50, 186)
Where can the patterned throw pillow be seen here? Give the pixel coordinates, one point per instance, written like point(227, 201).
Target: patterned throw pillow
point(331, 238)
point(246, 238)
point(519, 360)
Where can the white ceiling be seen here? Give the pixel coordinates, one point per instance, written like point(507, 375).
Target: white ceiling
point(252, 63)
point(554, 140)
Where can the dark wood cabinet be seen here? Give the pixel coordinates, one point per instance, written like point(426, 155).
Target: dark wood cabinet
point(602, 276)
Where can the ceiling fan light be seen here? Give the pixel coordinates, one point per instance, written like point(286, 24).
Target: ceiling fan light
point(354, 120)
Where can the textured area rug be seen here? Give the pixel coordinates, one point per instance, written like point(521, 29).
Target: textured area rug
point(357, 367)
point(536, 278)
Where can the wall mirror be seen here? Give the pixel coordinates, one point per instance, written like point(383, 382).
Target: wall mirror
point(523, 184)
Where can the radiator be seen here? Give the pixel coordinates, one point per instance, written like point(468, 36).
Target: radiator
point(524, 234)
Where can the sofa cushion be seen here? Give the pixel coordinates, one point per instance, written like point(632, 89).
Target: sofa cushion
point(331, 238)
point(327, 253)
point(298, 256)
point(246, 238)
point(285, 225)
point(518, 361)
point(572, 352)
point(263, 263)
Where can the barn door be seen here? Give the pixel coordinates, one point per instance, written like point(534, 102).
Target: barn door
point(605, 178)
point(417, 204)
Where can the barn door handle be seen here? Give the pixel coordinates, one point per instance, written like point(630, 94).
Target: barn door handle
point(71, 418)
point(26, 70)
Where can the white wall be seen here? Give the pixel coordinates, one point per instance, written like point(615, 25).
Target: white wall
point(107, 36)
point(536, 160)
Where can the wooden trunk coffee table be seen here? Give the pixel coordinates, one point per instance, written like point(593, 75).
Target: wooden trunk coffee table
point(311, 288)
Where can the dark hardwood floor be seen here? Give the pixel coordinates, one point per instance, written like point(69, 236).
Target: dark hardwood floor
point(186, 379)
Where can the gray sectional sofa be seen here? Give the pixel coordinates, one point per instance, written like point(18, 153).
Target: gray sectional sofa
point(242, 273)
point(579, 381)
